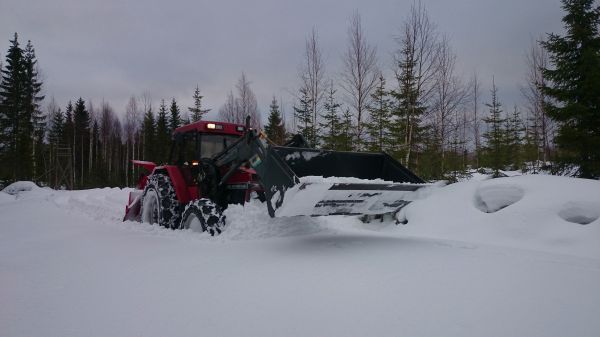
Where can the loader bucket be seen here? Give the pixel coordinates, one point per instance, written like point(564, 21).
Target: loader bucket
point(360, 183)
point(362, 165)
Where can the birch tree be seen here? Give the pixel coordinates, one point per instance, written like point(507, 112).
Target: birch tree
point(246, 103)
point(536, 100)
point(359, 77)
point(448, 97)
point(236, 108)
point(131, 128)
point(475, 94)
point(312, 89)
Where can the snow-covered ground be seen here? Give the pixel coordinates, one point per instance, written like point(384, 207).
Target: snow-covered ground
point(516, 256)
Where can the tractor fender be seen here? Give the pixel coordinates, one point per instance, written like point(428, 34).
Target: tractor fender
point(143, 178)
point(148, 165)
point(181, 190)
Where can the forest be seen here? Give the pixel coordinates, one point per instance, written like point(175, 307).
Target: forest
point(436, 122)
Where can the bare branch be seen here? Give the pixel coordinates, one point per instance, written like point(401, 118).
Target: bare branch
point(359, 77)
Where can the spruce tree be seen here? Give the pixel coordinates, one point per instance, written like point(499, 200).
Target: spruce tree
point(345, 138)
point(22, 124)
point(407, 110)
point(68, 129)
point(163, 134)
point(330, 125)
point(33, 117)
point(55, 135)
point(495, 135)
point(15, 152)
point(378, 127)
point(275, 129)
point(574, 84)
point(304, 118)
point(175, 117)
point(532, 143)
point(514, 139)
point(67, 140)
point(429, 155)
point(196, 110)
point(149, 134)
point(81, 139)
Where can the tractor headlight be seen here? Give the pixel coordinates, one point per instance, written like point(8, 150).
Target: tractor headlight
point(214, 126)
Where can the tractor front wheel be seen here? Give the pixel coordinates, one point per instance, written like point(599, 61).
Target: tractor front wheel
point(159, 202)
point(203, 215)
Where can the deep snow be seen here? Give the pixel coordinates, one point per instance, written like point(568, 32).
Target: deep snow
point(502, 257)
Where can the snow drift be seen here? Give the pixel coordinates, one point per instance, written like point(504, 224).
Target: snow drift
point(534, 212)
point(20, 186)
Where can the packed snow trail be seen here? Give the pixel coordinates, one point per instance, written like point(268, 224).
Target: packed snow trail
point(70, 267)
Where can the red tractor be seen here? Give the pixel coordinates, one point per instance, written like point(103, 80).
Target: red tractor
point(183, 194)
point(213, 164)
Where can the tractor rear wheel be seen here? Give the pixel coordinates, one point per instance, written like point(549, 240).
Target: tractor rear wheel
point(159, 202)
point(203, 215)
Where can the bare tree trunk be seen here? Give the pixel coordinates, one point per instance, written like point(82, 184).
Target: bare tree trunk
point(74, 162)
point(537, 59)
point(227, 112)
point(359, 77)
point(92, 119)
point(476, 92)
point(246, 103)
point(312, 77)
point(450, 95)
point(132, 125)
point(82, 159)
point(127, 163)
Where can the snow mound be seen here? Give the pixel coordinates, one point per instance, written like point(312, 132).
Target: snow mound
point(533, 218)
point(490, 199)
point(252, 221)
point(20, 186)
point(580, 213)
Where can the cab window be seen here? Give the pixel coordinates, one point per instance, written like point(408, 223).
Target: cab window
point(211, 144)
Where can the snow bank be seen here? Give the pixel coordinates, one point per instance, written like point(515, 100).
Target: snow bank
point(535, 212)
point(490, 199)
point(20, 186)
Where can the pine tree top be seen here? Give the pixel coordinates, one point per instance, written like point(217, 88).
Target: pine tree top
point(196, 110)
point(175, 118)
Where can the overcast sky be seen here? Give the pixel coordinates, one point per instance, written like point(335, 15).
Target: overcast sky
point(111, 50)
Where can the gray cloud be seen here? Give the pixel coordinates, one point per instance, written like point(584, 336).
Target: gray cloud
point(114, 49)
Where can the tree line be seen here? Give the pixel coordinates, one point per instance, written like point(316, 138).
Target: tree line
point(426, 115)
point(81, 145)
point(429, 117)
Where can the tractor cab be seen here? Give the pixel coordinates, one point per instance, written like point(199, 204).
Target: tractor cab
point(202, 139)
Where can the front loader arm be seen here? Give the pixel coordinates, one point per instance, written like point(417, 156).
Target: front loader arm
point(275, 175)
